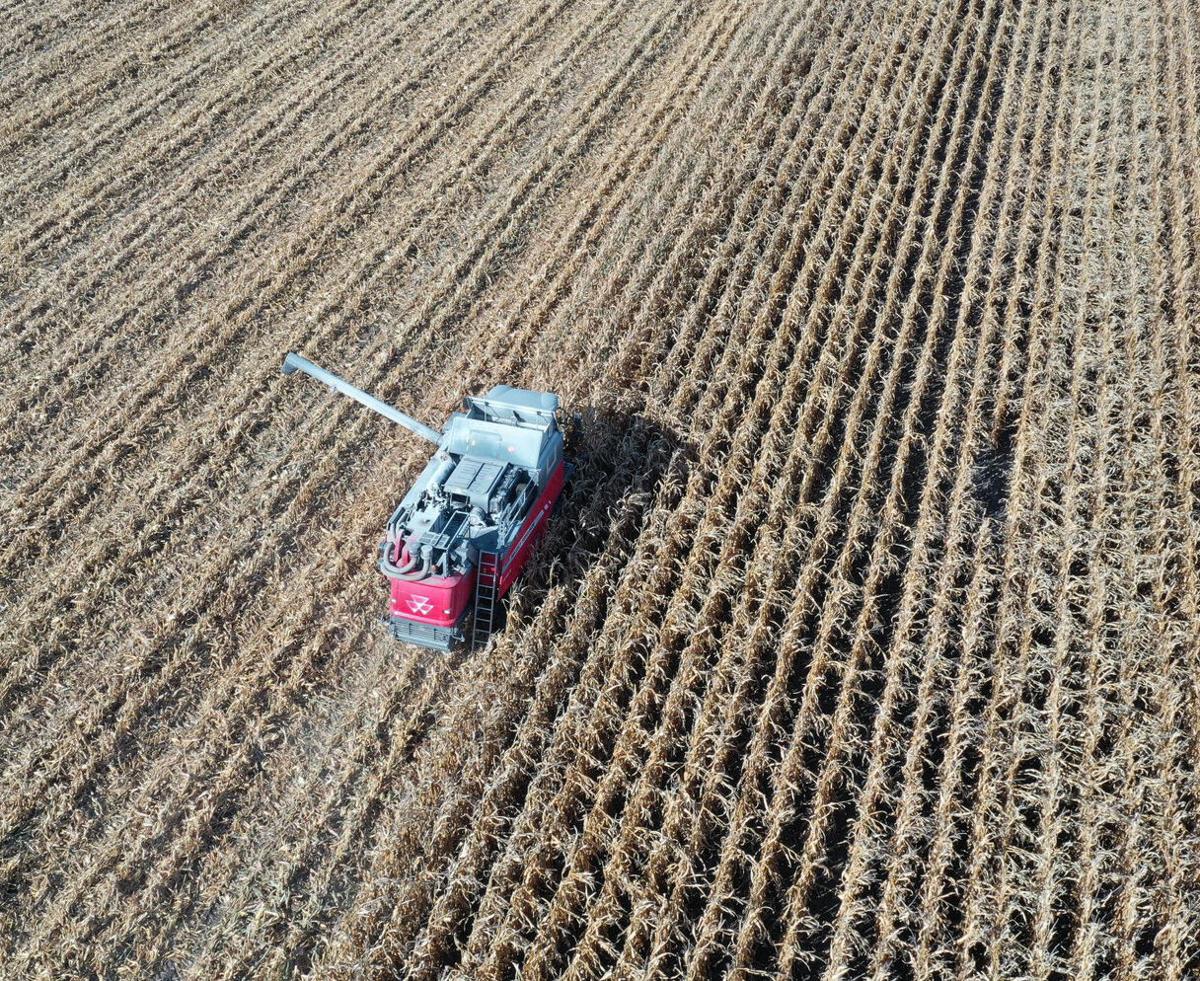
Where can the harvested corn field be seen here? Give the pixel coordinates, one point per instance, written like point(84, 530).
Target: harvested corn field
point(866, 639)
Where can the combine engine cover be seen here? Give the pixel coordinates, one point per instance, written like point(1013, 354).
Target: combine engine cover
point(468, 524)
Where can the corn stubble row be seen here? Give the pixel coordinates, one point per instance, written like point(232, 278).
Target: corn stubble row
point(866, 641)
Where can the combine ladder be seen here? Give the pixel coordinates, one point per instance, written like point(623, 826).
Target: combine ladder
point(487, 588)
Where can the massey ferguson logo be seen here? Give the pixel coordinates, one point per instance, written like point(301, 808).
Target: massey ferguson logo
point(420, 604)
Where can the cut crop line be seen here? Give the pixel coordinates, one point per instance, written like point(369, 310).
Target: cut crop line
point(960, 521)
point(1026, 488)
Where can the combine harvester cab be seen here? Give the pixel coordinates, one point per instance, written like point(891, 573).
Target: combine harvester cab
point(464, 531)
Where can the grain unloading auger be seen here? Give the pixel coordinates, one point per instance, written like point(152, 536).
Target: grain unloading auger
point(466, 527)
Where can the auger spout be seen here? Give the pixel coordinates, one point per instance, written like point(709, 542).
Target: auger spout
point(293, 363)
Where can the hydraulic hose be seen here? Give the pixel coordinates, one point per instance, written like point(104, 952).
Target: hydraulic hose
point(420, 574)
point(390, 549)
point(408, 566)
point(409, 571)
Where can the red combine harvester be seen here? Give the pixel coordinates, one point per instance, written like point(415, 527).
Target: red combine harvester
point(464, 531)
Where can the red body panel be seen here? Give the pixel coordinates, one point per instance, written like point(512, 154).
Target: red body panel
point(438, 600)
point(441, 600)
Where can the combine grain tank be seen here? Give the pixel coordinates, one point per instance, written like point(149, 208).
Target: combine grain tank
point(465, 529)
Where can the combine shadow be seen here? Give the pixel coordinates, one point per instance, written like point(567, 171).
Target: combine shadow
point(620, 460)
